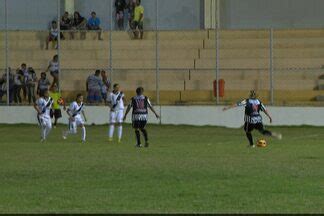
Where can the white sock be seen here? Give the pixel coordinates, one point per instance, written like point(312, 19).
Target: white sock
point(47, 131)
point(83, 133)
point(111, 130)
point(43, 132)
point(120, 131)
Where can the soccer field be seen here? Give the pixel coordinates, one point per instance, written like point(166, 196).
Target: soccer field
point(185, 170)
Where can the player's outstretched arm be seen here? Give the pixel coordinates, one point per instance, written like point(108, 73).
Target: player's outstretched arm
point(230, 107)
point(127, 111)
point(267, 114)
point(152, 109)
point(37, 109)
point(84, 116)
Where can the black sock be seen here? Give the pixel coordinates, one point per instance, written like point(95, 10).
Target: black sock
point(145, 134)
point(138, 137)
point(249, 136)
point(266, 132)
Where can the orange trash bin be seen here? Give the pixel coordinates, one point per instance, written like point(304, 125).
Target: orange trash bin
point(221, 88)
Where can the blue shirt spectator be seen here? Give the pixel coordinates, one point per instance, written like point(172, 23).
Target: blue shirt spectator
point(94, 24)
point(93, 21)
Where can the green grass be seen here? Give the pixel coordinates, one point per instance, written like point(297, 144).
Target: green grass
point(185, 170)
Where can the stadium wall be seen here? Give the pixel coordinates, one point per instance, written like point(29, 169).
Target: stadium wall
point(255, 14)
point(184, 115)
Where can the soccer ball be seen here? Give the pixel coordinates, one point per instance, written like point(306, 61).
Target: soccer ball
point(262, 143)
point(60, 101)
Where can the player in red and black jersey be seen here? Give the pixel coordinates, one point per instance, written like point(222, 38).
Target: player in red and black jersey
point(140, 105)
point(252, 117)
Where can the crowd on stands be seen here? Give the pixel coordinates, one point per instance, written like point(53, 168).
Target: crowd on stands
point(24, 84)
point(77, 23)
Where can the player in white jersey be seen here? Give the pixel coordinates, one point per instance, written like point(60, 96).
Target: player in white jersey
point(115, 101)
point(75, 120)
point(43, 106)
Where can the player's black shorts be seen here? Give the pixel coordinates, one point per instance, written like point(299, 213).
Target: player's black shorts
point(248, 127)
point(139, 124)
point(138, 25)
point(57, 113)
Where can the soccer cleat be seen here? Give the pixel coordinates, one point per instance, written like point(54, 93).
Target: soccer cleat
point(251, 146)
point(42, 140)
point(119, 140)
point(64, 135)
point(110, 139)
point(83, 141)
point(146, 144)
point(138, 145)
point(277, 135)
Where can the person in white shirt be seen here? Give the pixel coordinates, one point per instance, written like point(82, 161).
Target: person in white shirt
point(75, 120)
point(115, 101)
point(53, 34)
point(43, 106)
point(53, 67)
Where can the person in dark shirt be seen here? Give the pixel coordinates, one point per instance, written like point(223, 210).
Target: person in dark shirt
point(253, 118)
point(140, 105)
point(79, 23)
point(120, 7)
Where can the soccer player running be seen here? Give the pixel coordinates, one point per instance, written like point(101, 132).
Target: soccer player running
point(252, 118)
point(75, 120)
point(116, 103)
point(43, 106)
point(140, 105)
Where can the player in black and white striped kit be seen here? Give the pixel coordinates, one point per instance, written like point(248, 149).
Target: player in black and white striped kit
point(252, 117)
point(140, 105)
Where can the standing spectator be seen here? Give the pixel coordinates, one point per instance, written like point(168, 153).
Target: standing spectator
point(79, 23)
point(5, 85)
point(53, 34)
point(138, 19)
point(93, 86)
point(31, 83)
point(120, 7)
point(18, 83)
point(53, 67)
point(105, 85)
point(94, 24)
point(66, 23)
point(43, 84)
point(131, 7)
point(24, 70)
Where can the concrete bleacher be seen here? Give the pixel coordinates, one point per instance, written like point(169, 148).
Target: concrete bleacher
point(186, 61)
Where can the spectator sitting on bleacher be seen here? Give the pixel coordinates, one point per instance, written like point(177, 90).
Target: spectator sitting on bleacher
point(138, 20)
point(66, 23)
point(120, 7)
point(31, 83)
point(93, 86)
point(79, 23)
point(94, 24)
point(53, 34)
point(43, 84)
point(18, 84)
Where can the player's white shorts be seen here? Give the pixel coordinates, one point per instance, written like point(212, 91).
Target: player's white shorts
point(44, 121)
point(116, 116)
point(78, 121)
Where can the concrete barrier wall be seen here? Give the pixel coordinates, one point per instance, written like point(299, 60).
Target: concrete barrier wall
point(186, 115)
